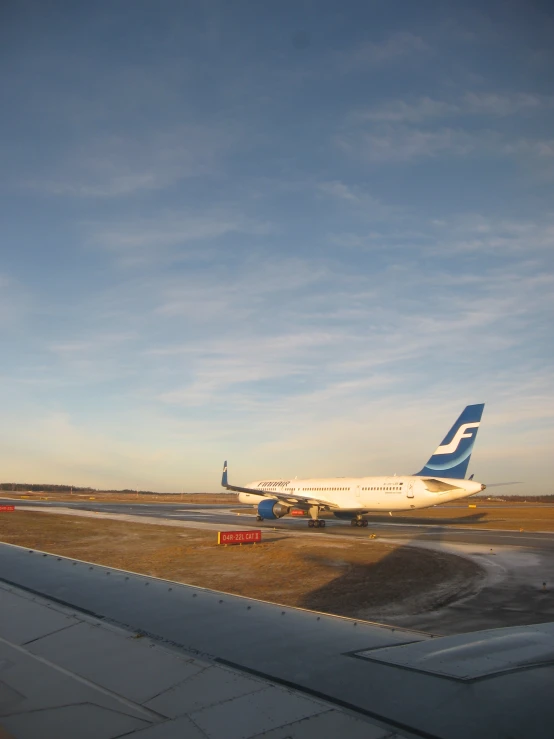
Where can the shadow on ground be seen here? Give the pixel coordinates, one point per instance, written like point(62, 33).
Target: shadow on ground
point(471, 518)
point(405, 580)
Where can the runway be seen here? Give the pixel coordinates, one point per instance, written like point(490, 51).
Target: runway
point(519, 566)
point(388, 529)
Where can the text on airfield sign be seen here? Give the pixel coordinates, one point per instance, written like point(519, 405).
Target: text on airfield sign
point(7, 508)
point(239, 537)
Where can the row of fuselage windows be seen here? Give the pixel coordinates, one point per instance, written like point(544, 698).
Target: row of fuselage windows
point(305, 490)
point(315, 490)
point(387, 488)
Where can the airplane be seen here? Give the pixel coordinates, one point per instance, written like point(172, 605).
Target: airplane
point(441, 480)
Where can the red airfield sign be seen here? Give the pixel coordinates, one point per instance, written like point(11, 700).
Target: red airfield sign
point(239, 537)
point(7, 508)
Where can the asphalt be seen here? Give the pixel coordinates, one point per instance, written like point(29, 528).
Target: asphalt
point(219, 514)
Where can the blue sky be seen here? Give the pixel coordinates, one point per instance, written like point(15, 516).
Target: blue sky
point(300, 236)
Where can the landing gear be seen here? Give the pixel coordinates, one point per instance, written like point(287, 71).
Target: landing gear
point(259, 518)
point(316, 523)
point(359, 521)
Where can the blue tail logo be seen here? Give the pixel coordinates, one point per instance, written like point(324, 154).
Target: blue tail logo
point(451, 458)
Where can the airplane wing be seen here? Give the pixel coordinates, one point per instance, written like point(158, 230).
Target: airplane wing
point(281, 497)
point(80, 648)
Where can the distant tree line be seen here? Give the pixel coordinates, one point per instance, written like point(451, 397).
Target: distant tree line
point(18, 487)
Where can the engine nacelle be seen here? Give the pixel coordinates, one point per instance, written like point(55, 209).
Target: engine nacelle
point(271, 509)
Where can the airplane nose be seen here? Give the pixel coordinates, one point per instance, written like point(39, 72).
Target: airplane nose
point(483, 486)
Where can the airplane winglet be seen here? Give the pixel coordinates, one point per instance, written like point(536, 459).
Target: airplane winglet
point(224, 475)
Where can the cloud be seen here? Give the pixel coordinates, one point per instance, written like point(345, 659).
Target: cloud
point(171, 236)
point(396, 47)
point(402, 111)
point(357, 197)
point(389, 142)
point(401, 144)
point(498, 104)
point(476, 233)
point(470, 104)
point(261, 360)
point(531, 148)
point(116, 166)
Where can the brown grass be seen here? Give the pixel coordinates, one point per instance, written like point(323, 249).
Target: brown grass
point(202, 498)
point(347, 578)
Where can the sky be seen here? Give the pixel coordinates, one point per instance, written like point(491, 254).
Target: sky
point(300, 236)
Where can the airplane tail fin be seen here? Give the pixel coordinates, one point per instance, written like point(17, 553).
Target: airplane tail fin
point(224, 475)
point(451, 458)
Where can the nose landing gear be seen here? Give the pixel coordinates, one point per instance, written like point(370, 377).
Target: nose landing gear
point(359, 521)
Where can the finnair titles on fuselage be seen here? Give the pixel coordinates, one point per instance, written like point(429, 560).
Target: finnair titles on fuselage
point(440, 481)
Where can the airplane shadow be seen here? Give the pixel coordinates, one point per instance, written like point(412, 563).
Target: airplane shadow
point(470, 518)
point(401, 581)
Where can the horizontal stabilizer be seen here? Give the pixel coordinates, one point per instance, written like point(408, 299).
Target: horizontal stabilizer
point(499, 484)
point(438, 486)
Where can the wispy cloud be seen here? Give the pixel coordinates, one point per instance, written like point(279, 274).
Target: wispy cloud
point(499, 104)
point(426, 108)
point(401, 144)
point(171, 236)
point(406, 111)
point(219, 242)
point(115, 166)
point(482, 235)
point(356, 197)
point(395, 48)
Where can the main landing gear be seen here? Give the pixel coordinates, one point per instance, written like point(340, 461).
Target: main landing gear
point(316, 523)
point(359, 521)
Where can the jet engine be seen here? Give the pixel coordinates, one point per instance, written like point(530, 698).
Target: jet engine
point(272, 509)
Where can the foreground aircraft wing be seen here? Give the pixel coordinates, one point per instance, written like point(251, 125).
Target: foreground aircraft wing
point(281, 497)
point(80, 648)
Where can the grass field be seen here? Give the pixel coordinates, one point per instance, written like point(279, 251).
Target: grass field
point(362, 578)
point(203, 498)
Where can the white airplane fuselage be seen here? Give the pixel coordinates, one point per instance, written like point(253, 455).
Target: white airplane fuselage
point(371, 494)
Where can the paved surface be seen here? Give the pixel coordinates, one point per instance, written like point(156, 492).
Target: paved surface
point(218, 514)
point(76, 660)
